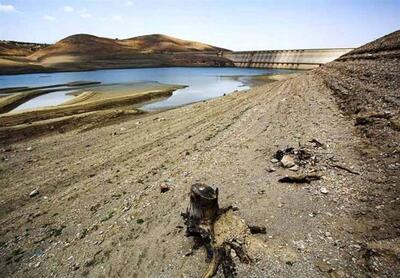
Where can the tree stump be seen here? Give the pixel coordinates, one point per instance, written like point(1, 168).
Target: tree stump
point(203, 208)
point(203, 211)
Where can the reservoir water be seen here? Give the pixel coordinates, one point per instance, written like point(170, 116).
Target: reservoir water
point(203, 83)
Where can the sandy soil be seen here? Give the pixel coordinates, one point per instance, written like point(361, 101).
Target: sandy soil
point(99, 211)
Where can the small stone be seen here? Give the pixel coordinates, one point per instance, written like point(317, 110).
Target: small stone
point(29, 149)
point(274, 160)
point(140, 221)
point(164, 187)
point(300, 244)
point(294, 168)
point(34, 193)
point(271, 169)
point(287, 161)
point(280, 205)
point(37, 264)
point(327, 234)
point(323, 190)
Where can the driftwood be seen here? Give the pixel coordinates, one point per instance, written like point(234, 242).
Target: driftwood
point(202, 213)
point(345, 169)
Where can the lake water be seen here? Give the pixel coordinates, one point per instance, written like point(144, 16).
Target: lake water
point(203, 83)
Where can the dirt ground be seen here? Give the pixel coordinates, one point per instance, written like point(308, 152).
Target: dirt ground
point(98, 210)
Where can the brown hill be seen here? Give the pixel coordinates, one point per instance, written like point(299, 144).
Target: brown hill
point(13, 48)
point(88, 52)
point(161, 43)
point(89, 45)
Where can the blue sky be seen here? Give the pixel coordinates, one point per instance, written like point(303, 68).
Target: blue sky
point(234, 24)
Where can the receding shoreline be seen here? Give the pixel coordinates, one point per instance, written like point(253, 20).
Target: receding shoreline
point(86, 108)
point(89, 106)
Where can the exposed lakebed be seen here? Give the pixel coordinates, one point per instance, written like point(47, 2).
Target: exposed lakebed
point(201, 83)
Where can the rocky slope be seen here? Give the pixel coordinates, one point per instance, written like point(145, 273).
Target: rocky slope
point(88, 202)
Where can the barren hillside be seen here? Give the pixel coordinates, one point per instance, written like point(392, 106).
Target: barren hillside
point(89, 45)
point(13, 48)
point(86, 52)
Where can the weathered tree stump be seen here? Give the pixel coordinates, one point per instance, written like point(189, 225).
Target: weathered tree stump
point(201, 215)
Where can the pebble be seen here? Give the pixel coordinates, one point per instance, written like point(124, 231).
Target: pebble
point(34, 193)
point(300, 244)
point(327, 234)
point(323, 190)
point(294, 168)
point(164, 188)
point(271, 169)
point(287, 161)
point(29, 149)
point(274, 160)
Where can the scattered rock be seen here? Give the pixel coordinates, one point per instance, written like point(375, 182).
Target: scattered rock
point(287, 161)
point(294, 168)
point(324, 190)
point(300, 244)
point(164, 187)
point(82, 234)
point(140, 221)
point(327, 234)
point(317, 143)
point(29, 149)
point(34, 193)
point(257, 230)
point(271, 169)
point(274, 160)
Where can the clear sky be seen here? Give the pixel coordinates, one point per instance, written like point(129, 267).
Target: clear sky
point(234, 24)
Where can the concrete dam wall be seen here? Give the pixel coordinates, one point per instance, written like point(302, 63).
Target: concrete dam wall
point(285, 59)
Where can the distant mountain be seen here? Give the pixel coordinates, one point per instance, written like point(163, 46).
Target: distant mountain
point(14, 48)
point(88, 52)
point(89, 45)
point(160, 43)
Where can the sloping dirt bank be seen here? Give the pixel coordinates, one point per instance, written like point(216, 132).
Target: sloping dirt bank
point(90, 109)
point(98, 210)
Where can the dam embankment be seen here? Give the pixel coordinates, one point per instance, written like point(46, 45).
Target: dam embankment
point(285, 59)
